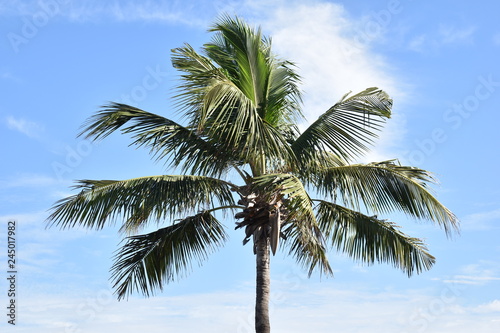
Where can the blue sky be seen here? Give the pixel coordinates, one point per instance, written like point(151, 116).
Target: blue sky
point(61, 60)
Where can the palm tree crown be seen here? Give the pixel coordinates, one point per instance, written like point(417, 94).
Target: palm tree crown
point(241, 105)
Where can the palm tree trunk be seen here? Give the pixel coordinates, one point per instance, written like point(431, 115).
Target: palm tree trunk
point(263, 286)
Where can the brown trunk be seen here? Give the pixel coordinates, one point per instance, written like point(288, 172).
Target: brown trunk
point(263, 286)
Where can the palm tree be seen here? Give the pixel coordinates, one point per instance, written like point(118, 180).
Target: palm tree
point(241, 105)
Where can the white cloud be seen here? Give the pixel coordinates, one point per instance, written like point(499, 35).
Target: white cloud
point(496, 39)
point(453, 35)
point(29, 180)
point(320, 37)
point(317, 309)
point(27, 218)
point(493, 306)
point(11, 7)
point(9, 77)
point(26, 127)
point(480, 273)
point(176, 11)
point(418, 43)
point(481, 221)
point(314, 37)
point(331, 48)
point(150, 11)
point(474, 280)
point(446, 35)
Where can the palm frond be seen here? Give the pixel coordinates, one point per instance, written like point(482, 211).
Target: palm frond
point(348, 127)
point(147, 262)
point(287, 186)
point(138, 201)
point(284, 99)
point(369, 239)
point(200, 74)
point(387, 187)
point(271, 84)
point(166, 139)
point(239, 94)
point(311, 170)
point(306, 244)
point(224, 113)
point(249, 51)
point(300, 229)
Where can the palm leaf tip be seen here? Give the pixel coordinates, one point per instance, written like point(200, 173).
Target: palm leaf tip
point(386, 187)
point(369, 239)
point(307, 248)
point(146, 262)
point(348, 128)
point(108, 119)
point(138, 201)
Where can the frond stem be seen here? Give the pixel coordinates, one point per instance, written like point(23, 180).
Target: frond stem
point(225, 207)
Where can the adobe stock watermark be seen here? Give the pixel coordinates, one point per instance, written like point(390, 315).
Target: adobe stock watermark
point(90, 308)
point(31, 25)
point(422, 319)
point(153, 78)
point(75, 155)
point(454, 117)
point(72, 159)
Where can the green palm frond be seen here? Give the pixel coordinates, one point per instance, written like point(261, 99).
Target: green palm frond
point(311, 170)
point(243, 96)
point(271, 84)
point(137, 201)
point(283, 106)
point(300, 230)
point(249, 52)
point(224, 114)
point(147, 262)
point(200, 74)
point(290, 187)
point(369, 239)
point(348, 127)
point(166, 139)
point(387, 187)
point(240, 105)
point(306, 244)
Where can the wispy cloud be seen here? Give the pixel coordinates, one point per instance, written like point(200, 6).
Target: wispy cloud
point(13, 7)
point(231, 311)
point(26, 127)
point(297, 303)
point(493, 306)
point(331, 63)
point(482, 221)
point(27, 218)
point(446, 35)
point(176, 11)
point(29, 180)
point(496, 38)
point(453, 35)
point(128, 11)
point(475, 280)
point(332, 48)
point(40, 251)
point(418, 43)
point(480, 273)
point(5, 75)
